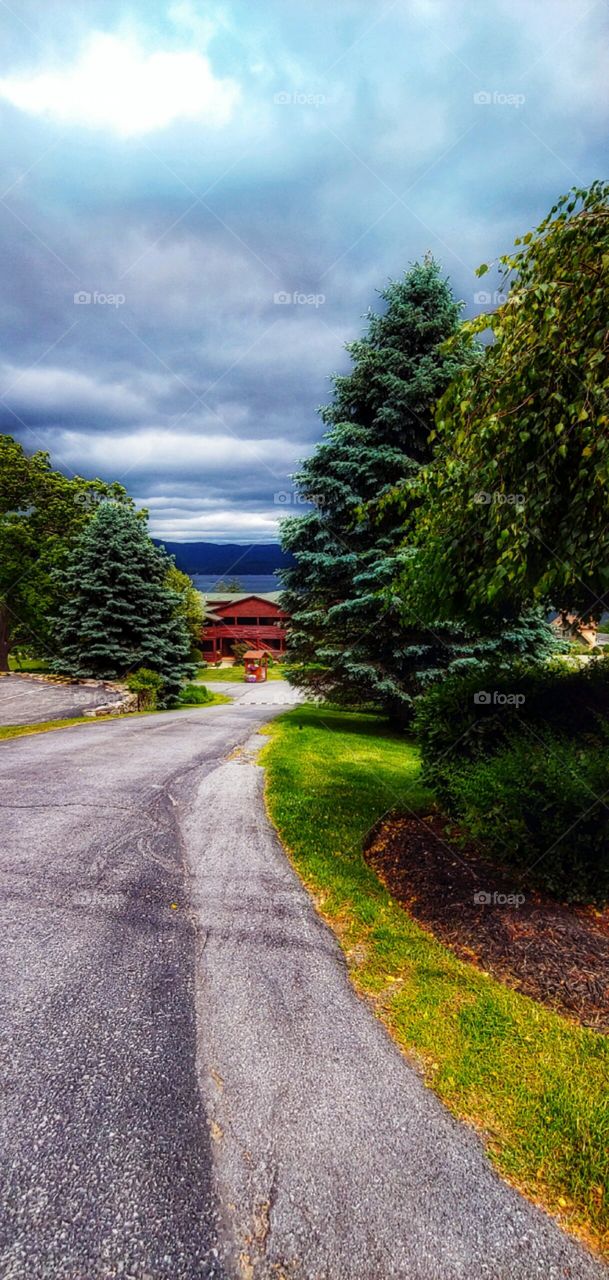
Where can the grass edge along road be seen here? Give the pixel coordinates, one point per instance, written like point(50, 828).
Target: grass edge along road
point(534, 1085)
point(8, 731)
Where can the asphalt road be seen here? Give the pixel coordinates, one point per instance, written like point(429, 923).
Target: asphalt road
point(32, 701)
point(190, 1086)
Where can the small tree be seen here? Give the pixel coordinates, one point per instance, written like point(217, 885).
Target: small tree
point(189, 607)
point(239, 649)
point(117, 613)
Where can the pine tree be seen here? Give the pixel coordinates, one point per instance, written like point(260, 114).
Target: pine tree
point(117, 613)
point(351, 638)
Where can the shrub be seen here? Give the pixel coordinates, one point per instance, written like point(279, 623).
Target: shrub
point(520, 759)
point(471, 716)
point(194, 695)
point(537, 806)
point(148, 686)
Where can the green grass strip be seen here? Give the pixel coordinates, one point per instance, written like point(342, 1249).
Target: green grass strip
point(20, 730)
point(535, 1085)
point(235, 674)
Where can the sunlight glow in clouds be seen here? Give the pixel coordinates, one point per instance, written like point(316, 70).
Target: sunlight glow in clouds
point(115, 85)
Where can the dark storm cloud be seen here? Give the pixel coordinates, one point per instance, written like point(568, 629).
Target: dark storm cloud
point(220, 260)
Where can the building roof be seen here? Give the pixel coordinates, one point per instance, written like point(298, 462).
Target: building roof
point(232, 597)
point(256, 653)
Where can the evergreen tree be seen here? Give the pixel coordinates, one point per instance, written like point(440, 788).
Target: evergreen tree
point(117, 613)
point(350, 638)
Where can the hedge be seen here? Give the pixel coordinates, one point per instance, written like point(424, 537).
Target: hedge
point(454, 722)
point(542, 808)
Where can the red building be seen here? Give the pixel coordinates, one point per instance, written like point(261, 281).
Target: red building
point(256, 620)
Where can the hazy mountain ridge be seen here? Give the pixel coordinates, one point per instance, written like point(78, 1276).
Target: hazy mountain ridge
point(231, 558)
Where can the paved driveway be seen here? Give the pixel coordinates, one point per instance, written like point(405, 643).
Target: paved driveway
point(32, 701)
point(271, 693)
point(190, 1086)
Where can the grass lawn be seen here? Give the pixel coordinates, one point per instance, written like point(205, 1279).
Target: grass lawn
point(28, 664)
point(209, 674)
point(535, 1085)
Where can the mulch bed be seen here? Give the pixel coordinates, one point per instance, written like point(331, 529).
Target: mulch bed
point(556, 953)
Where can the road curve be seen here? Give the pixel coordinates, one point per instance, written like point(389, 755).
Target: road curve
point(190, 1087)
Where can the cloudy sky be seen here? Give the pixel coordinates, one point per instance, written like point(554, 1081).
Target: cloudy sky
point(199, 201)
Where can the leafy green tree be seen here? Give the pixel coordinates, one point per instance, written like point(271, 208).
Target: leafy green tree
point(117, 613)
point(41, 514)
point(189, 608)
point(351, 638)
point(517, 505)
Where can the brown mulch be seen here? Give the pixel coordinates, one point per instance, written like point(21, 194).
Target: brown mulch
point(556, 953)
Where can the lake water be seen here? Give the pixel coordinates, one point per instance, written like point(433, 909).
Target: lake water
point(249, 582)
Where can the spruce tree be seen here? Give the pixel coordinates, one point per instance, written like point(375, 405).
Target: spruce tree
point(117, 613)
point(351, 637)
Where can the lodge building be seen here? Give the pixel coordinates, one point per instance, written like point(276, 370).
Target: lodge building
point(233, 617)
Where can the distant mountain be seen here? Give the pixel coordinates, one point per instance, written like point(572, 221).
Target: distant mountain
point(231, 558)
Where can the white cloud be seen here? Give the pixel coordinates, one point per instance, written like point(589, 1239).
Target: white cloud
point(115, 85)
point(223, 525)
point(52, 390)
point(199, 28)
point(175, 453)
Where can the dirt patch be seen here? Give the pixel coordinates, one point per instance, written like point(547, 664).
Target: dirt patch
point(556, 953)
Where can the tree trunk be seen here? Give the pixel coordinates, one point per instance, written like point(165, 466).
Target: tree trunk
point(5, 638)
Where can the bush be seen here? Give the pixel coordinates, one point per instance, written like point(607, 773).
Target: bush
point(534, 805)
point(148, 686)
point(472, 716)
point(194, 695)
